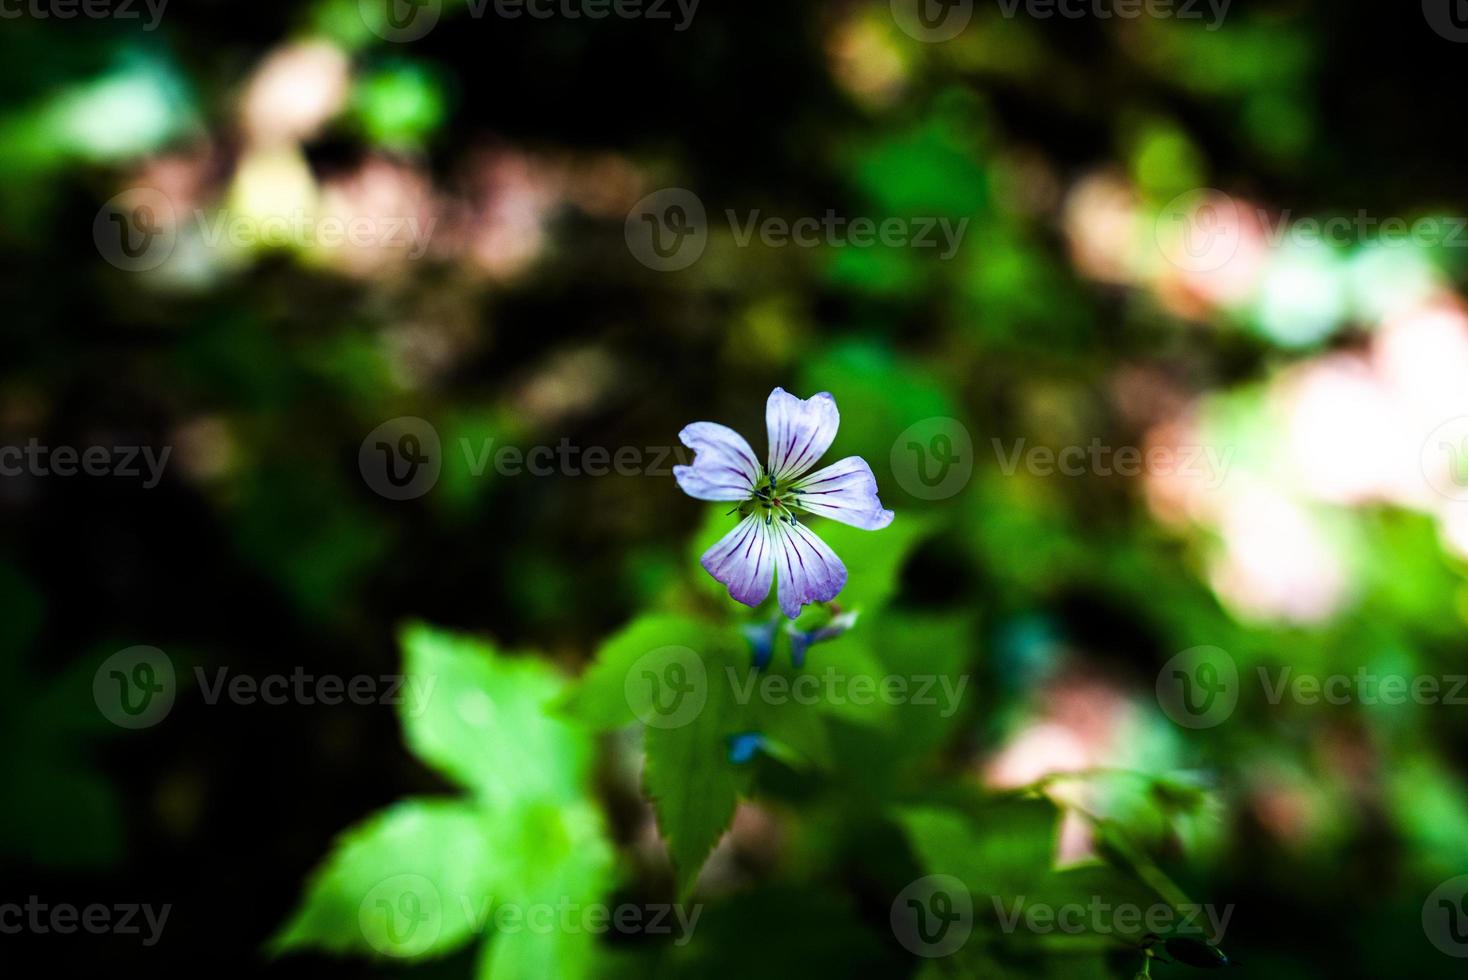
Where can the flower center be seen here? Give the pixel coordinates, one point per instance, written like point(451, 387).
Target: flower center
point(776, 501)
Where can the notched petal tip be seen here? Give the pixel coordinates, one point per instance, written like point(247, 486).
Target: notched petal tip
point(800, 430)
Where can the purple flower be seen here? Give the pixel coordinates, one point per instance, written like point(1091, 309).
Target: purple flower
point(770, 542)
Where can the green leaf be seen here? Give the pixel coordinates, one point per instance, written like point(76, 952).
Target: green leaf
point(423, 877)
point(567, 864)
point(693, 785)
point(616, 690)
point(1005, 849)
point(796, 725)
point(874, 559)
point(917, 665)
point(71, 817)
point(399, 885)
point(481, 719)
point(784, 933)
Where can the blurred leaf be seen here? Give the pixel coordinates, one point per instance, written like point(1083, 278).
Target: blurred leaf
point(874, 559)
point(609, 695)
point(572, 864)
point(1005, 849)
point(775, 933)
point(424, 876)
point(879, 396)
point(482, 720)
point(63, 815)
point(401, 104)
point(395, 885)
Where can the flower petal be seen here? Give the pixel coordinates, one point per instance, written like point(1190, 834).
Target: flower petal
point(724, 467)
point(800, 430)
point(845, 491)
point(807, 570)
point(744, 560)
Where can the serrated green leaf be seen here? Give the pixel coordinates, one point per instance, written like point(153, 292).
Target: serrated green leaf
point(693, 785)
point(402, 884)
